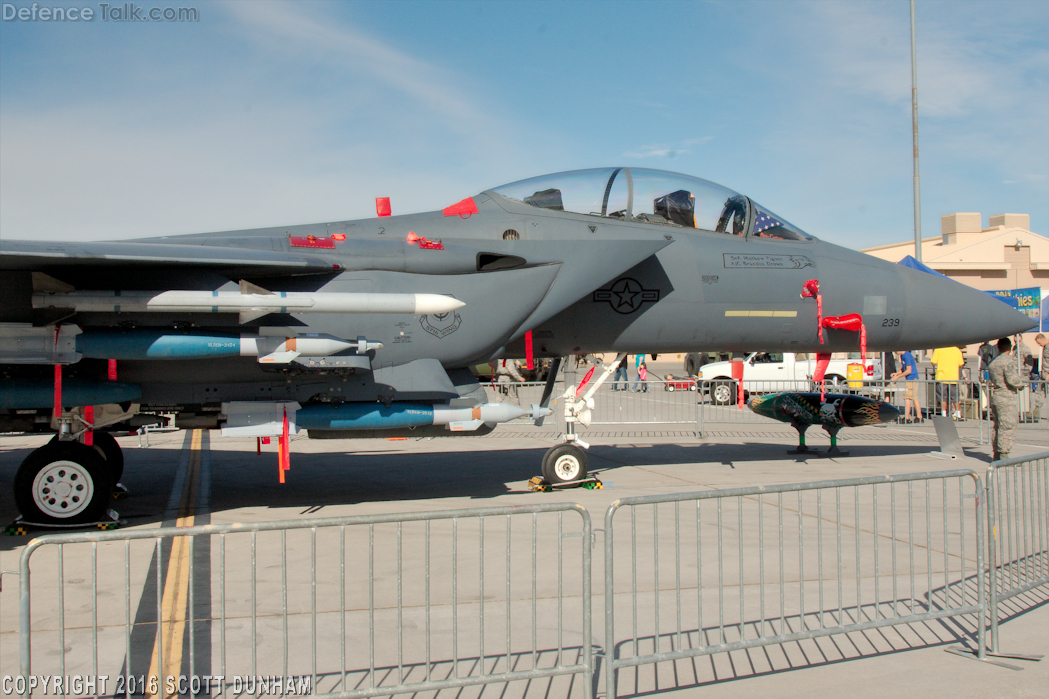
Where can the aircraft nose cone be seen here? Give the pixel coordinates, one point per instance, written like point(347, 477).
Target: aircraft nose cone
point(942, 312)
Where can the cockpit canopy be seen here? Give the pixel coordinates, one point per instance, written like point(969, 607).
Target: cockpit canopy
point(652, 196)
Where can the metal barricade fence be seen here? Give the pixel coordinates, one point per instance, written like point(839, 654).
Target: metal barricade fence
point(718, 399)
point(704, 402)
point(733, 569)
point(655, 401)
point(393, 603)
point(1032, 400)
point(8, 618)
point(518, 393)
point(971, 398)
point(1018, 530)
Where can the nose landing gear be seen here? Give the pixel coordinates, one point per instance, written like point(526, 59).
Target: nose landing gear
point(567, 463)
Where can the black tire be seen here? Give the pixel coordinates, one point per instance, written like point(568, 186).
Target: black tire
point(670, 387)
point(692, 364)
point(723, 392)
point(63, 483)
point(106, 444)
point(565, 463)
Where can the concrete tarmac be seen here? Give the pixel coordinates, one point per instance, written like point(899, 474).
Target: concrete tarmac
point(330, 478)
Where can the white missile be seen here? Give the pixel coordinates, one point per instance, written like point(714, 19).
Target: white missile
point(469, 419)
point(271, 345)
point(281, 350)
point(249, 305)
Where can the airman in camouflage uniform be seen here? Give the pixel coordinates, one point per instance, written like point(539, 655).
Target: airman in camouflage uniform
point(1005, 404)
point(1029, 368)
point(1043, 373)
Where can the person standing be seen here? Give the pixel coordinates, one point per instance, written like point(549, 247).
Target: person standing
point(986, 353)
point(1043, 368)
point(621, 370)
point(1041, 341)
point(888, 363)
point(948, 361)
point(1028, 369)
point(508, 373)
point(909, 373)
point(642, 374)
point(1005, 401)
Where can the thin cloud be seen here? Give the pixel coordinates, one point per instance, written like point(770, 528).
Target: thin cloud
point(665, 151)
point(273, 120)
point(288, 28)
point(865, 50)
point(655, 153)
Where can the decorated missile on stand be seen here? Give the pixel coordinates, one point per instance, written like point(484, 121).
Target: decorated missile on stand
point(833, 412)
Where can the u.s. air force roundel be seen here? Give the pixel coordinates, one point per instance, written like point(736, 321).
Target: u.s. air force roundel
point(626, 295)
point(441, 325)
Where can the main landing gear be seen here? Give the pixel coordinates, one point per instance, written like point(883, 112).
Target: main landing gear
point(63, 483)
point(68, 483)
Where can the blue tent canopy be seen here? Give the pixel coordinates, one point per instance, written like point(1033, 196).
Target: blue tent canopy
point(909, 261)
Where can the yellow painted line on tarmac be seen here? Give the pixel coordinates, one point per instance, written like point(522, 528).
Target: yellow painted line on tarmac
point(172, 627)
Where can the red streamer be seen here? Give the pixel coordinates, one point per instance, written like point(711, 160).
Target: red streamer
point(822, 362)
point(89, 418)
point(852, 322)
point(811, 289)
point(586, 380)
point(863, 347)
point(284, 449)
point(58, 390)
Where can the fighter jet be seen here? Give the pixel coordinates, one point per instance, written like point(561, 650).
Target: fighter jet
point(368, 327)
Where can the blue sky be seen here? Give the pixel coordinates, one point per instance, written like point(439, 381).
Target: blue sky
point(277, 113)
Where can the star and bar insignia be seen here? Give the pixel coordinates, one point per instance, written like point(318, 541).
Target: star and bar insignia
point(626, 296)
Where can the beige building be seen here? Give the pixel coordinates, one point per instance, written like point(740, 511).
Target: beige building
point(1004, 255)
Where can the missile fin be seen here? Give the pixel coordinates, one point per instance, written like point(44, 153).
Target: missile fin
point(45, 283)
point(279, 358)
point(247, 287)
point(248, 316)
point(465, 425)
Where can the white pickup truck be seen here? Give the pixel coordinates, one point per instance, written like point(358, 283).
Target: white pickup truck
point(769, 372)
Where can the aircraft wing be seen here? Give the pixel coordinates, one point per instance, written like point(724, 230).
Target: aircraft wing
point(33, 256)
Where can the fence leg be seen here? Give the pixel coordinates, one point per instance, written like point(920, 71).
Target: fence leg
point(995, 570)
point(699, 413)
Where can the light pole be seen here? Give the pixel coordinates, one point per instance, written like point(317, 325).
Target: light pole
point(914, 127)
